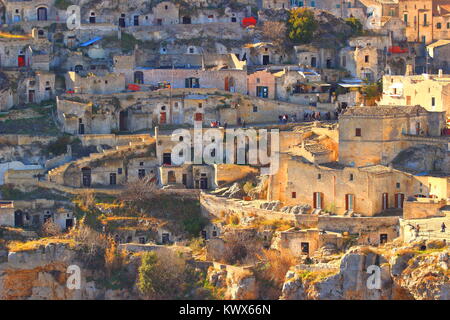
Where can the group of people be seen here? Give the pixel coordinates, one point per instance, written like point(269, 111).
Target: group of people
point(317, 116)
point(417, 228)
point(285, 118)
point(215, 124)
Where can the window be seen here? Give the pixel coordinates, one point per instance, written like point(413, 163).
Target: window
point(358, 132)
point(351, 177)
point(433, 101)
point(294, 195)
point(255, 109)
point(349, 202)
point(141, 164)
point(398, 185)
point(119, 171)
point(439, 25)
point(366, 59)
point(141, 173)
point(319, 176)
point(262, 92)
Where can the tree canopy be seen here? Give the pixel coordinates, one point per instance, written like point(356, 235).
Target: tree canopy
point(356, 25)
point(301, 25)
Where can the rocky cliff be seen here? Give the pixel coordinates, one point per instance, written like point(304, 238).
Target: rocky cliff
point(418, 271)
point(43, 274)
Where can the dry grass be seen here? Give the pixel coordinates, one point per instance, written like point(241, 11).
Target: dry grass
point(311, 277)
point(274, 224)
point(17, 246)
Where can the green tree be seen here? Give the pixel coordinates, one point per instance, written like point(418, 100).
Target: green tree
point(163, 275)
point(356, 25)
point(301, 25)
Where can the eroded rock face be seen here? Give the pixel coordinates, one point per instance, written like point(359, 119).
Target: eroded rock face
point(405, 273)
point(422, 158)
point(42, 274)
point(236, 282)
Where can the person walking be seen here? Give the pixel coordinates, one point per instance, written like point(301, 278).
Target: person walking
point(443, 227)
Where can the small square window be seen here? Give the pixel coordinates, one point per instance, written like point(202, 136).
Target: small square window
point(255, 109)
point(294, 195)
point(398, 185)
point(319, 176)
point(119, 171)
point(358, 132)
point(141, 164)
point(351, 177)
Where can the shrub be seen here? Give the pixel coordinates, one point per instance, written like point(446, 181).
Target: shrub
point(272, 273)
point(59, 146)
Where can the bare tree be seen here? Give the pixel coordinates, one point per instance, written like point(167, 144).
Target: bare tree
point(87, 199)
point(139, 191)
point(275, 31)
point(50, 229)
point(240, 248)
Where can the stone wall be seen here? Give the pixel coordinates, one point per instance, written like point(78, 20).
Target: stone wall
point(422, 209)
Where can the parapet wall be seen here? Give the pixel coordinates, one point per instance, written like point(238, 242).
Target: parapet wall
point(357, 224)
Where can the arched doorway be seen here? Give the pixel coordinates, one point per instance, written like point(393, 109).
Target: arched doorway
point(78, 68)
point(86, 177)
point(42, 14)
point(139, 77)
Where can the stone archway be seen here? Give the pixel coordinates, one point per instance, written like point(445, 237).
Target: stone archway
point(41, 13)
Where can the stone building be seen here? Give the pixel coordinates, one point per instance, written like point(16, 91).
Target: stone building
point(426, 20)
point(376, 135)
point(306, 242)
point(429, 91)
point(93, 84)
point(276, 4)
point(342, 190)
point(35, 213)
point(17, 11)
point(36, 87)
point(7, 217)
point(316, 57)
point(110, 168)
point(439, 52)
point(262, 84)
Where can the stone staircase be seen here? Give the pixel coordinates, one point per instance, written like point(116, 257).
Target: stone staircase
point(56, 175)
